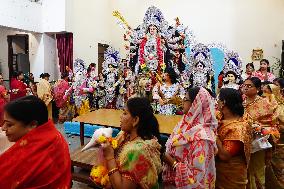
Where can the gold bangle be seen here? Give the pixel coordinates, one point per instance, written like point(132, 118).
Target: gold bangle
point(174, 164)
point(112, 171)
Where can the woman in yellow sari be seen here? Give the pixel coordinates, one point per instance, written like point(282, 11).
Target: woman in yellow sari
point(275, 174)
point(234, 142)
point(258, 111)
point(44, 92)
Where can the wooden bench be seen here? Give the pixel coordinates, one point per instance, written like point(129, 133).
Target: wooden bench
point(85, 161)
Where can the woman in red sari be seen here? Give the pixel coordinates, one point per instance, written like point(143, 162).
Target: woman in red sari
point(40, 156)
point(18, 87)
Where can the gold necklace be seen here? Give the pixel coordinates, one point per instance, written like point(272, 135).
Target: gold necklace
point(246, 104)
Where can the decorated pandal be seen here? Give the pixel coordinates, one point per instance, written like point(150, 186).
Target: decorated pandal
point(154, 48)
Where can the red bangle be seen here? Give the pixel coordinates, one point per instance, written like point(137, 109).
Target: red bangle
point(112, 171)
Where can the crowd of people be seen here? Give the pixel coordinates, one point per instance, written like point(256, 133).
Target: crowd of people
point(230, 135)
point(219, 142)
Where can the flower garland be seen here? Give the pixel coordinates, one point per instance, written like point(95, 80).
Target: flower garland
point(141, 53)
point(161, 64)
point(99, 173)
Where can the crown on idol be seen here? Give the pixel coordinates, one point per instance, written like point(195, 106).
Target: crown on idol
point(233, 63)
point(112, 57)
point(79, 65)
point(201, 53)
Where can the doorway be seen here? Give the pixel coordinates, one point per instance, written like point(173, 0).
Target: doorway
point(18, 54)
point(101, 50)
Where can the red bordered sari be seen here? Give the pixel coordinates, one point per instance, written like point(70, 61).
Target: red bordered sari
point(40, 159)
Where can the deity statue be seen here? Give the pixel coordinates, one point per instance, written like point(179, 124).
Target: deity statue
point(232, 70)
point(200, 69)
point(110, 73)
point(79, 88)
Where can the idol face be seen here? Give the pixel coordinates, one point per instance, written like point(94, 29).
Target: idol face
point(199, 66)
point(231, 78)
point(152, 30)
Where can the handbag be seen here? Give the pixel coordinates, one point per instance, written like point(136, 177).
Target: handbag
point(260, 143)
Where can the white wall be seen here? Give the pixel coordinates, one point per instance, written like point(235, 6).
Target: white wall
point(50, 56)
point(53, 15)
point(241, 25)
point(33, 19)
point(48, 16)
point(21, 14)
point(90, 23)
point(36, 55)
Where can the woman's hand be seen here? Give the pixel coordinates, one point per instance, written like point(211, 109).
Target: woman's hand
point(108, 150)
point(168, 159)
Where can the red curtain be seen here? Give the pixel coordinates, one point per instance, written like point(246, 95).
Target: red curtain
point(65, 50)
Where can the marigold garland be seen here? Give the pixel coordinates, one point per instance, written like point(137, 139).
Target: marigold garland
point(99, 174)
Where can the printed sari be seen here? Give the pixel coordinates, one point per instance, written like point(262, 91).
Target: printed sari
point(274, 171)
point(232, 174)
point(139, 160)
point(262, 112)
point(193, 145)
point(40, 159)
point(66, 110)
point(269, 77)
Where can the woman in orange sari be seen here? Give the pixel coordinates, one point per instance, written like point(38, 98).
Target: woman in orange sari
point(234, 142)
point(40, 156)
point(274, 175)
point(258, 111)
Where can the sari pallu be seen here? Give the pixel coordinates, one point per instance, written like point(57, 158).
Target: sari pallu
point(232, 174)
point(193, 144)
point(40, 159)
point(262, 112)
point(66, 110)
point(139, 160)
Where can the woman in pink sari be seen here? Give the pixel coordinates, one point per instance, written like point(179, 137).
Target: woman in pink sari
point(264, 73)
point(189, 158)
point(61, 100)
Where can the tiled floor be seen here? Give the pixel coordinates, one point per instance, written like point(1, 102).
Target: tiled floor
point(74, 142)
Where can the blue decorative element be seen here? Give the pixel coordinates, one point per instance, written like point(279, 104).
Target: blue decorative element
point(73, 128)
point(157, 17)
point(187, 53)
point(218, 62)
